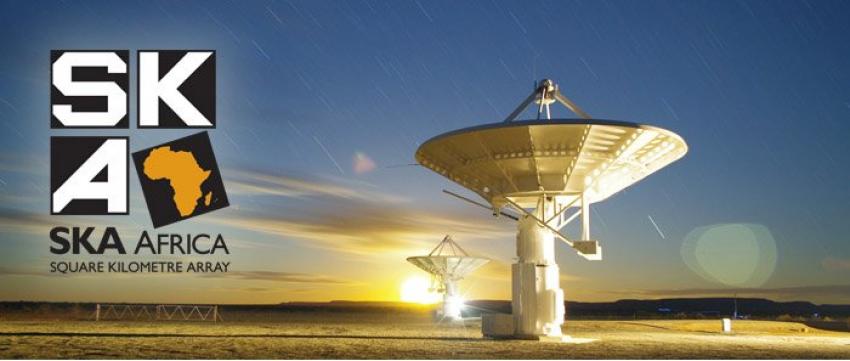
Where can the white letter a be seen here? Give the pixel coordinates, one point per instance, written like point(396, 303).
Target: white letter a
point(80, 185)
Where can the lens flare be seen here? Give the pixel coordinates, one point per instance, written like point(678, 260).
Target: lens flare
point(733, 254)
point(454, 307)
point(362, 163)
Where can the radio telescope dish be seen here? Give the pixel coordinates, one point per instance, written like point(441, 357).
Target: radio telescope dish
point(447, 264)
point(541, 169)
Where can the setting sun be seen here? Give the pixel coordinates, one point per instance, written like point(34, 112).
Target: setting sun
point(416, 289)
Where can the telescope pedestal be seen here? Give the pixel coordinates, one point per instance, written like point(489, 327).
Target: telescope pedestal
point(538, 301)
point(452, 303)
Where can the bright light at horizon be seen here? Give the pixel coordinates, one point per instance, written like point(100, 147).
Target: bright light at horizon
point(454, 307)
point(416, 289)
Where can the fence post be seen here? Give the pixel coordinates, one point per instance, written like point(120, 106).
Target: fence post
point(97, 313)
point(215, 313)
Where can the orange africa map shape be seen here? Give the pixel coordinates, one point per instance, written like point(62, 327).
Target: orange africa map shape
point(184, 174)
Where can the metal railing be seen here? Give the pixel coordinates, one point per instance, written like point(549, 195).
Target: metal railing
point(162, 312)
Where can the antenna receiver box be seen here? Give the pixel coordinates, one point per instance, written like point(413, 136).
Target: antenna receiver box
point(590, 250)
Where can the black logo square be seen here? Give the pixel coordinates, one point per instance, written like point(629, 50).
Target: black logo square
point(88, 89)
point(93, 162)
point(176, 89)
point(180, 179)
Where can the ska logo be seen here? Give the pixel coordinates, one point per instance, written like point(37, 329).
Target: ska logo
point(88, 175)
point(175, 89)
point(180, 179)
point(89, 89)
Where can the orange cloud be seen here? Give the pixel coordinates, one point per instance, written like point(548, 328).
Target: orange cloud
point(358, 219)
point(835, 264)
point(285, 277)
point(366, 229)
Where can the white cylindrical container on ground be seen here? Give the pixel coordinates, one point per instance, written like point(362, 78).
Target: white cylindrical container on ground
point(727, 325)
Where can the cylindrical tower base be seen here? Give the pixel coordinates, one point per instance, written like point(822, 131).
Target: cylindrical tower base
point(452, 303)
point(538, 301)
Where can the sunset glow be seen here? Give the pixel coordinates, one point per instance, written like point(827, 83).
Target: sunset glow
point(416, 289)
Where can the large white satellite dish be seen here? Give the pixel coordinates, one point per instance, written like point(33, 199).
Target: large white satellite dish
point(447, 264)
point(541, 169)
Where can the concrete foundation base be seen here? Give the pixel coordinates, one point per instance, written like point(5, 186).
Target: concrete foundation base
point(566, 339)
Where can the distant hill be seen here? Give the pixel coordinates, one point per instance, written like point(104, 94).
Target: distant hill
point(659, 308)
point(755, 307)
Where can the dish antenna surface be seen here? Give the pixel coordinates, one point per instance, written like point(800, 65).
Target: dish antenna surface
point(541, 169)
point(448, 263)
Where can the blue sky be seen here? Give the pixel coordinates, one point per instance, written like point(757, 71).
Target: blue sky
point(759, 90)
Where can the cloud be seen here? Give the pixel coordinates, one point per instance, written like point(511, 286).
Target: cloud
point(364, 228)
point(8, 271)
point(26, 222)
point(350, 217)
point(285, 277)
point(21, 221)
point(836, 264)
point(248, 182)
point(31, 272)
point(23, 164)
point(257, 289)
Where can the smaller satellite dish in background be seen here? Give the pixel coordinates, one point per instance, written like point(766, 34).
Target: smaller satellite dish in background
point(447, 264)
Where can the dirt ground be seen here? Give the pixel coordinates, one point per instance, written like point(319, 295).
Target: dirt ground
point(311, 335)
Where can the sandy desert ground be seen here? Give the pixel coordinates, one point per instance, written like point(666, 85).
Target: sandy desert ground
point(311, 335)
